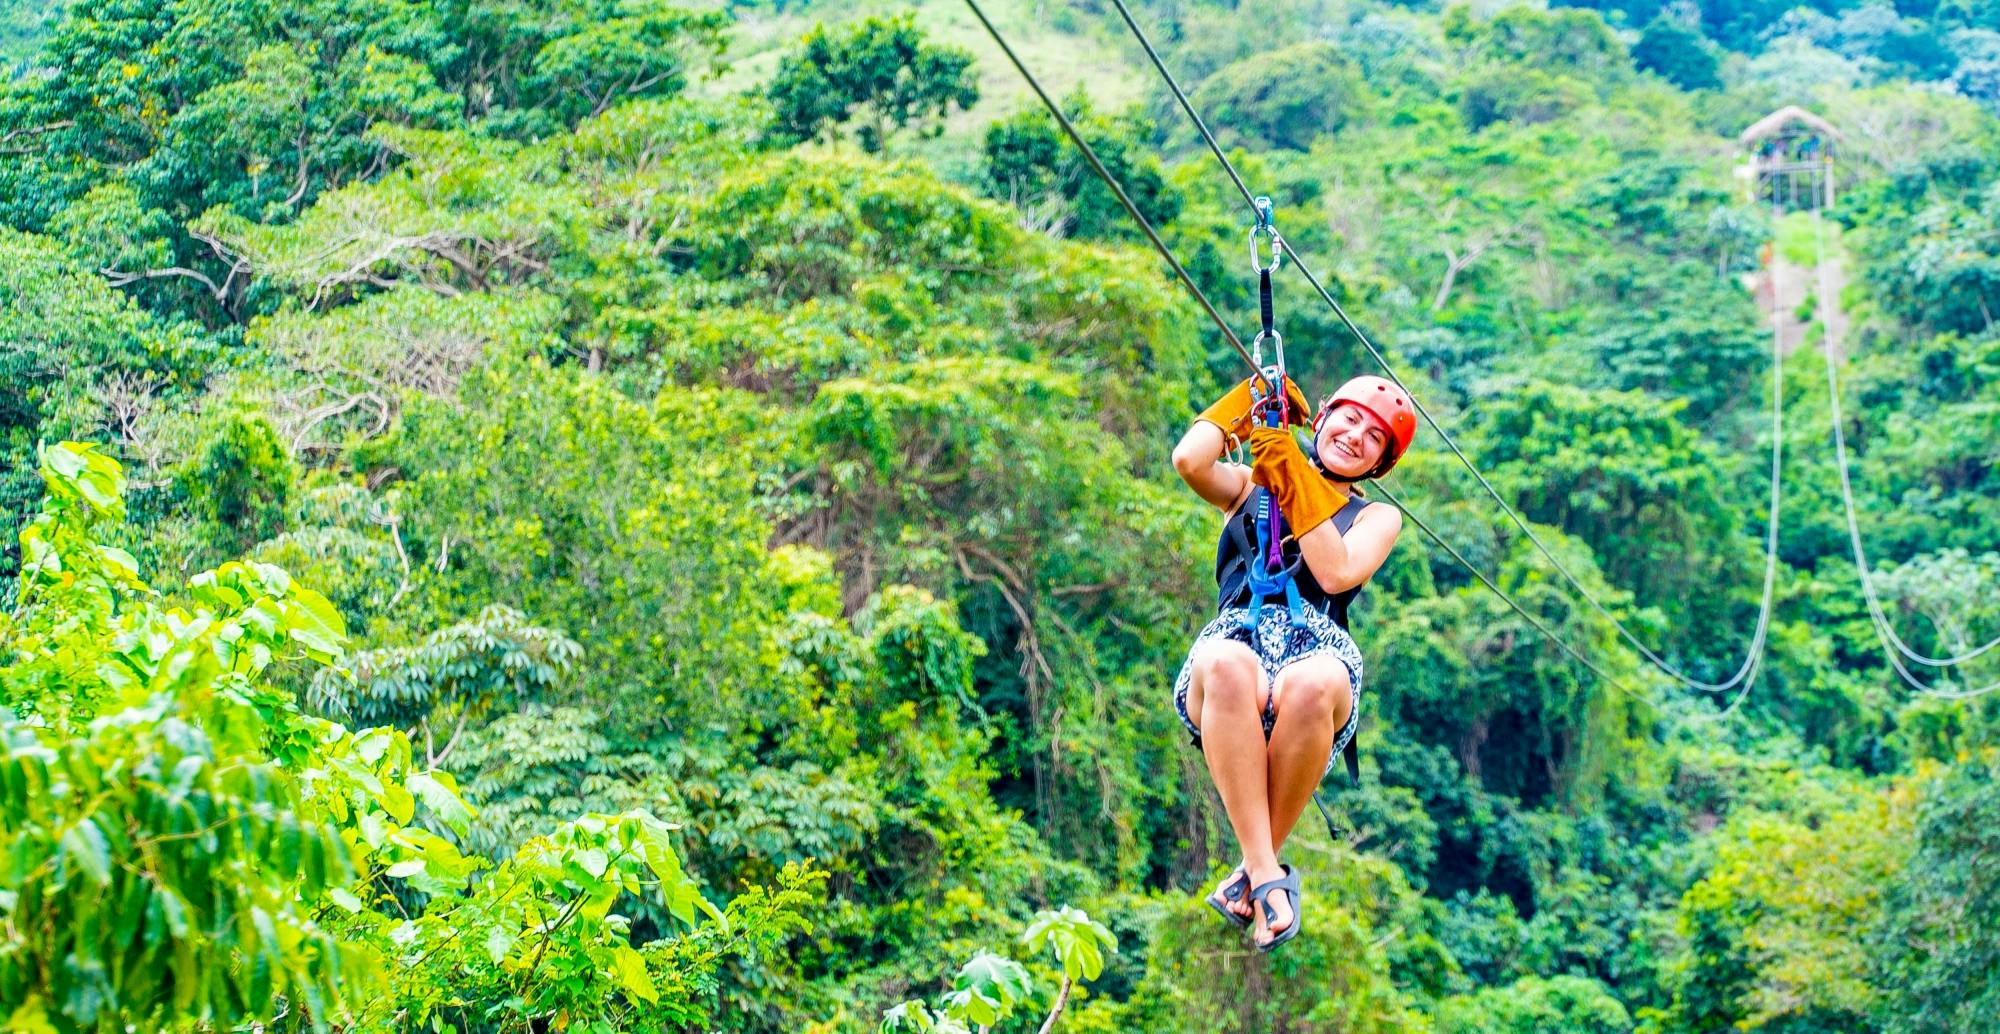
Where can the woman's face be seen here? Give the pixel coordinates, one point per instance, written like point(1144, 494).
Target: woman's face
point(1350, 442)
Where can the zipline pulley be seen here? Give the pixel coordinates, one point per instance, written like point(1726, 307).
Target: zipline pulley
point(1261, 228)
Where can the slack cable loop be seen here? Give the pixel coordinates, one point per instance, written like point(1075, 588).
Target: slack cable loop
point(1884, 632)
point(1215, 148)
point(1876, 612)
point(1540, 626)
point(1747, 676)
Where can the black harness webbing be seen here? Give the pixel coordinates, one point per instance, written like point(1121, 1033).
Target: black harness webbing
point(1264, 301)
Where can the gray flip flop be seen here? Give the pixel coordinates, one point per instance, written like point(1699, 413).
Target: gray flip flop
point(1261, 894)
point(1232, 891)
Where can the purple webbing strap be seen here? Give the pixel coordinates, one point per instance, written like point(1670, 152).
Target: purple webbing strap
point(1274, 558)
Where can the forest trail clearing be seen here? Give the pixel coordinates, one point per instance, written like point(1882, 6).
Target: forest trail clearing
point(1795, 284)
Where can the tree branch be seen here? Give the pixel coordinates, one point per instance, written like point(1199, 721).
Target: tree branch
point(121, 278)
point(1062, 999)
point(29, 132)
point(1456, 263)
point(305, 170)
point(464, 715)
point(1078, 590)
point(394, 524)
point(316, 417)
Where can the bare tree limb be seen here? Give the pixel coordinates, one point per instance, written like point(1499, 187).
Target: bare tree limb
point(1456, 263)
point(305, 170)
point(464, 715)
point(30, 132)
point(1079, 590)
point(395, 525)
point(121, 278)
point(327, 412)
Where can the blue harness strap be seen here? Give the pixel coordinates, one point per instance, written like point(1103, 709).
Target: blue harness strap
point(1267, 574)
point(1266, 578)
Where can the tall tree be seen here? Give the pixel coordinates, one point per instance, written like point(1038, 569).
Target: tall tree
point(878, 70)
point(1677, 53)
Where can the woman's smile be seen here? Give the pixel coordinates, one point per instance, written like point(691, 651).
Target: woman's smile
point(1351, 441)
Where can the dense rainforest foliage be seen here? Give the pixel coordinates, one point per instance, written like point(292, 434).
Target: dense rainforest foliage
point(598, 515)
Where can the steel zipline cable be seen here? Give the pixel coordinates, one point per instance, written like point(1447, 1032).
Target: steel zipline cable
point(1758, 637)
point(1875, 610)
point(1091, 156)
point(1502, 593)
point(1755, 661)
point(1884, 631)
point(1111, 181)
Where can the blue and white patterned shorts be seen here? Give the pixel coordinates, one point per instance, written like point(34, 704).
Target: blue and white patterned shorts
point(1277, 644)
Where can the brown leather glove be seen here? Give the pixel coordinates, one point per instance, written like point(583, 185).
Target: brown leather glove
point(1232, 412)
point(1306, 498)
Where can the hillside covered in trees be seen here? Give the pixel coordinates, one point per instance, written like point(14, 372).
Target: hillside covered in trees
point(600, 515)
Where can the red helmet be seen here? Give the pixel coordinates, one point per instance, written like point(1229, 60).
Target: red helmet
point(1389, 403)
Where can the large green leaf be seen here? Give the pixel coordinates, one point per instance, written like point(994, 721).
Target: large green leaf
point(632, 975)
point(84, 845)
point(1078, 941)
point(987, 988)
point(439, 792)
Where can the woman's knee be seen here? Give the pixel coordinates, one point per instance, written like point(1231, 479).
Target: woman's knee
point(1318, 689)
point(1227, 673)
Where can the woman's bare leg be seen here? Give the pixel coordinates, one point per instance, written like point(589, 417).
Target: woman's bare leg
point(1313, 698)
point(1227, 693)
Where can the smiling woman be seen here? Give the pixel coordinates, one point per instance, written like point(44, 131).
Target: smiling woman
point(1291, 673)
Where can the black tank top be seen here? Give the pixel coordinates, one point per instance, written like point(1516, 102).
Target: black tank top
point(1239, 541)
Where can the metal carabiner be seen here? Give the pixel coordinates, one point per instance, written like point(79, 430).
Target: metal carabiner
point(1275, 370)
point(1264, 225)
point(1267, 392)
point(1257, 350)
point(1267, 378)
